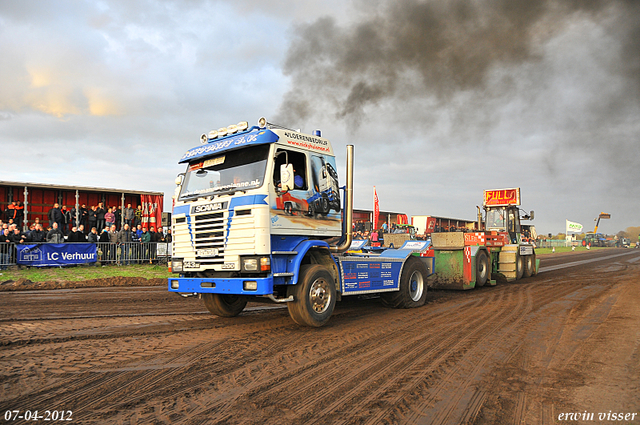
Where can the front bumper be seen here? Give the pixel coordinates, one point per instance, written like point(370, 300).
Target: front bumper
point(230, 286)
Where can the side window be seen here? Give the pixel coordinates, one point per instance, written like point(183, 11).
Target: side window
point(299, 162)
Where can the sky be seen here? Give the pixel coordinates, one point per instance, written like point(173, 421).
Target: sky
point(441, 99)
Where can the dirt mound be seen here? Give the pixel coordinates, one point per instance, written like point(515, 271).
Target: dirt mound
point(27, 285)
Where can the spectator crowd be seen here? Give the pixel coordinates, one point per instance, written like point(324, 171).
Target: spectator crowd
point(112, 225)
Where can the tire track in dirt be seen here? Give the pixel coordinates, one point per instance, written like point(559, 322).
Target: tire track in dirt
point(480, 353)
point(300, 376)
point(529, 406)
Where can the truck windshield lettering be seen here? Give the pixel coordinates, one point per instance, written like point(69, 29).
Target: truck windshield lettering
point(237, 170)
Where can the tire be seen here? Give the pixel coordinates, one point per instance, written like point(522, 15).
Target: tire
point(534, 271)
point(224, 305)
point(413, 287)
point(482, 269)
point(324, 202)
point(314, 296)
point(529, 265)
point(519, 266)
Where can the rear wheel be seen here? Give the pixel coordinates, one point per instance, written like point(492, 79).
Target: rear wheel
point(482, 268)
point(519, 266)
point(413, 287)
point(314, 296)
point(224, 305)
point(529, 265)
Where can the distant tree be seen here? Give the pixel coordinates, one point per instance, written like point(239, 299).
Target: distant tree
point(632, 233)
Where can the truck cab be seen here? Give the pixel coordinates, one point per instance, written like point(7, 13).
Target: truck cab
point(257, 216)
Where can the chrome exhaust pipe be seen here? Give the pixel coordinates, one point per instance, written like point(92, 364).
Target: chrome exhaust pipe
point(348, 207)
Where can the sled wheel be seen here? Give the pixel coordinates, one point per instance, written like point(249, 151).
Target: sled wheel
point(482, 268)
point(314, 296)
point(224, 305)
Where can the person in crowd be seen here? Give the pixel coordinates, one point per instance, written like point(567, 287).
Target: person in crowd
point(55, 216)
point(100, 219)
point(159, 236)
point(93, 235)
point(77, 235)
point(84, 215)
point(125, 239)
point(104, 236)
point(15, 212)
point(139, 231)
point(66, 214)
point(27, 233)
point(138, 216)
point(37, 235)
point(16, 236)
point(113, 234)
point(109, 218)
point(118, 213)
point(145, 239)
point(146, 236)
point(73, 213)
point(92, 217)
point(5, 246)
point(55, 234)
point(130, 216)
point(168, 238)
point(105, 242)
point(113, 239)
point(72, 235)
point(374, 237)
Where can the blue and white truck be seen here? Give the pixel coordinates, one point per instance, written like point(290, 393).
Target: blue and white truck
point(257, 217)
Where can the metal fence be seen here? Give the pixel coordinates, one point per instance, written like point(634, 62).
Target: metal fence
point(550, 243)
point(108, 253)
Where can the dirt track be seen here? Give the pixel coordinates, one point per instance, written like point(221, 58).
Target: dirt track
point(567, 340)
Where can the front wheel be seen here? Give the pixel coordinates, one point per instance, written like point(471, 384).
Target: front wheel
point(224, 305)
point(529, 265)
point(519, 266)
point(314, 296)
point(413, 287)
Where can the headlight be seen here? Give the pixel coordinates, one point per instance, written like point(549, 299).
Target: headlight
point(175, 284)
point(256, 264)
point(176, 265)
point(250, 264)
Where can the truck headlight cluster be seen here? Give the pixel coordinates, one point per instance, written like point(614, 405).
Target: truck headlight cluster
point(176, 265)
point(256, 264)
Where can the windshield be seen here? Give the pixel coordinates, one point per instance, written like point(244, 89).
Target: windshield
point(236, 170)
point(495, 219)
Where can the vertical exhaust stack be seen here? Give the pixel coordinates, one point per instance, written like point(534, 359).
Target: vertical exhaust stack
point(348, 207)
point(480, 226)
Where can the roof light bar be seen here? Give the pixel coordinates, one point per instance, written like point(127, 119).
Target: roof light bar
point(223, 131)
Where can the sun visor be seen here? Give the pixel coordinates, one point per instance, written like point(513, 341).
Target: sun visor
point(258, 137)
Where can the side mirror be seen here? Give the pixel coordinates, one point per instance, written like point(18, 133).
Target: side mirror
point(530, 215)
point(286, 177)
point(179, 179)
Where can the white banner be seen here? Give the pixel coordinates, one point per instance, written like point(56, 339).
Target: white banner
point(573, 227)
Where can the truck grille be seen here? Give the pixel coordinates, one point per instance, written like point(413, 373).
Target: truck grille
point(209, 234)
